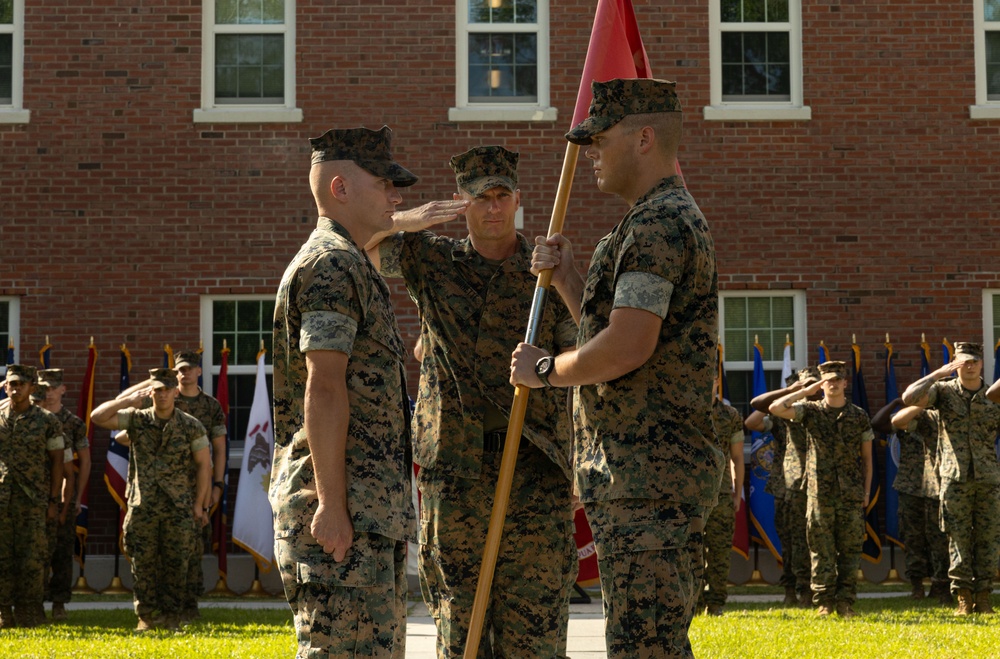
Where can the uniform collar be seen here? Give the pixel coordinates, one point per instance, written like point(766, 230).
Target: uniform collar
point(520, 260)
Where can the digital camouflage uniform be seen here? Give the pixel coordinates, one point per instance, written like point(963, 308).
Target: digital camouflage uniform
point(970, 482)
point(25, 478)
point(721, 520)
point(790, 510)
point(919, 501)
point(62, 537)
point(470, 308)
point(646, 462)
point(159, 524)
point(209, 413)
point(332, 298)
point(835, 525)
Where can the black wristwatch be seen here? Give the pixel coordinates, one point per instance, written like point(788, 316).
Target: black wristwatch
point(219, 484)
point(544, 368)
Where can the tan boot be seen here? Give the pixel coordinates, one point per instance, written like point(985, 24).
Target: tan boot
point(58, 611)
point(982, 602)
point(790, 599)
point(844, 610)
point(824, 610)
point(965, 605)
point(145, 625)
point(917, 592)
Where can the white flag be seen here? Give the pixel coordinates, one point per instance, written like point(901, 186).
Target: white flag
point(786, 366)
point(253, 524)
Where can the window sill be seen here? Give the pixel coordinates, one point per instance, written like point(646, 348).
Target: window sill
point(12, 116)
point(247, 116)
point(991, 111)
point(495, 113)
point(757, 113)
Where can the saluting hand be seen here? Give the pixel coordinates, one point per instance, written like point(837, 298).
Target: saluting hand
point(428, 215)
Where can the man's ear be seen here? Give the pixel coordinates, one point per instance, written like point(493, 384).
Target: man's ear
point(338, 188)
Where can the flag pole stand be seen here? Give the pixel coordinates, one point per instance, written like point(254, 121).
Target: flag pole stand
point(116, 587)
point(756, 578)
point(82, 587)
point(893, 576)
point(222, 588)
point(256, 589)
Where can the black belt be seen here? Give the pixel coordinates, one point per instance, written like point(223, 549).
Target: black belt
point(493, 442)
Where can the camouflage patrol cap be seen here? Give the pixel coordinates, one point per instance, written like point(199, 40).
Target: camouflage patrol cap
point(832, 370)
point(162, 377)
point(51, 377)
point(966, 352)
point(187, 358)
point(485, 167)
point(809, 374)
point(369, 149)
point(792, 377)
point(615, 99)
point(21, 373)
point(40, 392)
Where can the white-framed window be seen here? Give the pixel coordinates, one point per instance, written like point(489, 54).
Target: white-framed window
point(10, 329)
point(755, 56)
point(12, 63)
point(770, 317)
point(502, 61)
point(241, 323)
point(991, 331)
point(248, 62)
point(987, 49)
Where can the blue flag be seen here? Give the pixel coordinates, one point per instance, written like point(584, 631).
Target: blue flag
point(925, 358)
point(946, 351)
point(761, 456)
point(871, 550)
point(823, 356)
point(891, 456)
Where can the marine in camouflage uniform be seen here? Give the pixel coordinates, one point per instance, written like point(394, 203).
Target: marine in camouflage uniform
point(838, 474)
point(919, 504)
point(62, 531)
point(720, 522)
point(31, 466)
point(970, 474)
point(470, 294)
point(333, 309)
point(209, 413)
point(790, 510)
point(164, 508)
point(646, 462)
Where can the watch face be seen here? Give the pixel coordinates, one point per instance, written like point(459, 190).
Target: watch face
point(544, 366)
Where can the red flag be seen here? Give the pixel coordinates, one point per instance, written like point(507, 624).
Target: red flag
point(219, 523)
point(84, 406)
point(586, 553)
point(615, 51)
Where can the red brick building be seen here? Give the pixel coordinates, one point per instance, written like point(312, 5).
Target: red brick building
point(153, 162)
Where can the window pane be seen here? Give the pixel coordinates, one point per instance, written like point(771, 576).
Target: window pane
point(227, 82)
point(248, 316)
point(503, 66)
point(6, 69)
point(7, 12)
point(224, 315)
point(526, 81)
point(753, 11)
point(250, 50)
point(274, 11)
point(273, 81)
point(759, 312)
point(740, 385)
point(250, 83)
point(227, 49)
point(993, 65)
point(765, 69)
point(525, 11)
point(991, 10)
point(777, 11)
point(225, 12)
point(479, 11)
point(730, 11)
point(996, 317)
point(736, 312)
point(502, 11)
point(250, 11)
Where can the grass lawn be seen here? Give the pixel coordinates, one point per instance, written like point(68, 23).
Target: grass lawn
point(893, 628)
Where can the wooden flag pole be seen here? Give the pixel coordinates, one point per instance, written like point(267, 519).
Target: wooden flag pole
point(516, 424)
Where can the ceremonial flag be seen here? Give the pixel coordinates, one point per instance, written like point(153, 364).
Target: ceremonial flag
point(925, 358)
point(253, 527)
point(586, 552)
point(786, 363)
point(116, 466)
point(872, 547)
point(996, 361)
point(741, 531)
point(43, 355)
point(201, 376)
point(947, 350)
point(221, 521)
point(84, 406)
point(823, 355)
point(168, 356)
point(761, 457)
point(891, 455)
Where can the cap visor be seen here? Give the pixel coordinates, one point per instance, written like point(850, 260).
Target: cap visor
point(399, 175)
point(481, 185)
point(584, 132)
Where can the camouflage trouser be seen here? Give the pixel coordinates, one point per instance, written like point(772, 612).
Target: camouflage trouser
point(62, 539)
point(651, 562)
point(926, 545)
point(790, 515)
point(355, 608)
point(719, 526)
point(23, 550)
point(196, 575)
point(158, 537)
point(970, 515)
point(528, 610)
point(835, 530)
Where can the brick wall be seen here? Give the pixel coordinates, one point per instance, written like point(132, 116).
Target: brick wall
point(118, 212)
